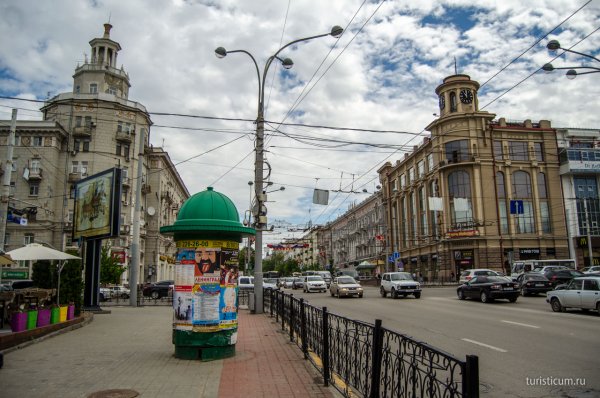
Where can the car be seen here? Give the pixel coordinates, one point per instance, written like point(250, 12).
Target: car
point(158, 290)
point(314, 283)
point(345, 286)
point(533, 283)
point(399, 284)
point(326, 275)
point(592, 269)
point(118, 292)
point(545, 268)
point(469, 274)
point(581, 292)
point(245, 282)
point(298, 283)
point(558, 276)
point(270, 283)
point(286, 283)
point(22, 284)
point(487, 288)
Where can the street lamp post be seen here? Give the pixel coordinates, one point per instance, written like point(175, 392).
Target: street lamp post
point(572, 73)
point(260, 219)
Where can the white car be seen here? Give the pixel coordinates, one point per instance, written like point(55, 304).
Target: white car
point(314, 283)
point(469, 274)
point(247, 282)
point(582, 292)
point(399, 284)
point(589, 270)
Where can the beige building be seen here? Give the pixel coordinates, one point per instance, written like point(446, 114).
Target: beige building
point(480, 192)
point(89, 130)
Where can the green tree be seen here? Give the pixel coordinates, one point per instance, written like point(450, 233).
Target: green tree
point(44, 274)
point(71, 282)
point(242, 259)
point(110, 268)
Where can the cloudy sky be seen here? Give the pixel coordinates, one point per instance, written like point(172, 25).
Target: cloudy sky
point(373, 89)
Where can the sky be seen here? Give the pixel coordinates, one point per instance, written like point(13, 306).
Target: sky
point(373, 89)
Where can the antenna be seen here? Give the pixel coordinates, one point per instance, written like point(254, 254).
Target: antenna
point(109, 15)
point(455, 68)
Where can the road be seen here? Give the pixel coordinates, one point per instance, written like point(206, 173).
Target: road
point(524, 349)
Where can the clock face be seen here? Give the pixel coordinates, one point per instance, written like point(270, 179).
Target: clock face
point(466, 96)
point(442, 101)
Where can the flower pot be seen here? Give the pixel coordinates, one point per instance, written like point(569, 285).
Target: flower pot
point(18, 321)
point(54, 315)
point(71, 312)
point(31, 319)
point(43, 318)
point(63, 313)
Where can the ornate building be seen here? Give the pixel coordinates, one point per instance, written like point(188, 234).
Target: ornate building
point(478, 193)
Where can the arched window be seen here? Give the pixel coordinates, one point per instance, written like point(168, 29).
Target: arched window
point(500, 187)
point(453, 102)
point(521, 187)
point(459, 188)
point(543, 201)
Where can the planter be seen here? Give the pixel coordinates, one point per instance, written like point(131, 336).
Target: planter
point(63, 313)
point(43, 318)
point(32, 319)
point(18, 321)
point(55, 315)
point(71, 312)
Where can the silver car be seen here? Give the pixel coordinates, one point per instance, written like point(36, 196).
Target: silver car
point(582, 292)
point(345, 286)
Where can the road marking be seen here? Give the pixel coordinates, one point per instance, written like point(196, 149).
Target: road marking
point(522, 324)
point(484, 345)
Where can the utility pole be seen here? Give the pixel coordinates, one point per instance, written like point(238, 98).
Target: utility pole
point(135, 244)
point(589, 232)
point(6, 180)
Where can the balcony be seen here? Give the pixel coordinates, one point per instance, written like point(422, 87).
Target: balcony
point(84, 131)
point(35, 174)
point(126, 181)
point(579, 160)
point(74, 177)
point(124, 136)
point(456, 158)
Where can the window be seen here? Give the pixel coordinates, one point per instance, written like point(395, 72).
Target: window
point(126, 151)
point(423, 210)
point(430, 162)
point(538, 148)
point(37, 141)
point(518, 150)
point(34, 166)
point(411, 175)
point(77, 89)
point(433, 192)
point(421, 168)
point(452, 102)
point(78, 121)
point(88, 122)
point(6, 240)
point(413, 210)
point(79, 167)
point(590, 284)
point(93, 88)
point(34, 188)
point(86, 145)
point(503, 214)
point(498, 150)
point(28, 238)
point(124, 127)
point(543, 202)
point(119, 149)
point(521, 185)
point(457, 151)
point(402, 180)
point(459, 188)
point(112, 90)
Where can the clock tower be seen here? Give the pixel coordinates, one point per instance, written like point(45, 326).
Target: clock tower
point(457, 94)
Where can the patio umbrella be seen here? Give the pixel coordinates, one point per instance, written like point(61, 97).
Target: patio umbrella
point(36, 251)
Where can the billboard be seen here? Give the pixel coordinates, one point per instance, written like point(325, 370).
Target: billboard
point(97, 205)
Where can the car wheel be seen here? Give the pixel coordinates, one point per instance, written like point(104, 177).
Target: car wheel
point(394, 293)
point(512, 299)
point(524, 292)
point(382, 292)
point(598, 308)
point(361, 296)
point(101, 298)
point(460, 294)
point(125, 296)
point(556, 306)
point(484, 297)
point(417, 295)
point(155, 295)
point(332, 295)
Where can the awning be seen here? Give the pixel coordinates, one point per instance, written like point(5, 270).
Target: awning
point(365, 265)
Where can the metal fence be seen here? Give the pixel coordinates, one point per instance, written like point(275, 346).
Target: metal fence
point(117, 300)
point(367, 360)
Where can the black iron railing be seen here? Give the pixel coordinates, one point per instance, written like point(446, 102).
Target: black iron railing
point(368, 360)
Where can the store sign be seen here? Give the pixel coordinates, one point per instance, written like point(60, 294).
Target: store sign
point(530, 252)
point(10, 274)
point(462, 234)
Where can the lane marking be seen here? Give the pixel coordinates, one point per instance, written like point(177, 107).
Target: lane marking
point(491, 347)
point(521, 324)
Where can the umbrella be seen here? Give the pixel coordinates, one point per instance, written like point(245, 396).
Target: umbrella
point(35, 251)
point(5, 259)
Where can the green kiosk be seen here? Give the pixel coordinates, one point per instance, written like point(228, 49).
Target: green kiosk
point(207, 234)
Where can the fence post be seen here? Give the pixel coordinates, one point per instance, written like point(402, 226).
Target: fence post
point(326, 374)
point(303, 334)
point(271, 305)
point(276, 305)
point(291, 321)
point(376, 358)
point(471, 377)
point(282, 311)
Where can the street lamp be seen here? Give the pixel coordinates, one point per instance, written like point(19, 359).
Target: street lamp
point(260, 219)
point(554, 45)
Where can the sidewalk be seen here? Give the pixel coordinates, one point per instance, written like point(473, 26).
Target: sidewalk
point(131, 350)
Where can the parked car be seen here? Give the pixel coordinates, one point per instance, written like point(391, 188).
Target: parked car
point(547, 268)
point(345, 286)
point(298, 283)
point(270, 283)
point(558, 276)
point(533, 283)
point(21, 284)
point(246, 282)
point(399, 284)
point(592, 269)
point(158, 290)
point(488, 288)
point(580, 292)
point(117, 292)
point(469, 274)
point(314, 283)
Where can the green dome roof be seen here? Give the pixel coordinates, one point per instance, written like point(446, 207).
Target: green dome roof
point(208, 211)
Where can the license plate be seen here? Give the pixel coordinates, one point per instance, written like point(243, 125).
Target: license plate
point(539, 284)
point(508, 288)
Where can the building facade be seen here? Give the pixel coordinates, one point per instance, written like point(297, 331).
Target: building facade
point(477, 193)
point(89, 130)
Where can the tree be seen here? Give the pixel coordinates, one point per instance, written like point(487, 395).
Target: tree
point(242, 259)
point(44, 274)
point(110, 268)
point(71, 283)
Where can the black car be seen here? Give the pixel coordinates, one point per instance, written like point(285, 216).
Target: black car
point(561, 276)
point(158, 290)
point(298, 283)
point(488, 288)
point(533, 283)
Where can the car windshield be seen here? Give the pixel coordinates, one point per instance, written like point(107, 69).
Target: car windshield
point(346, 280)
point(270, 280)
point(314, 278)
point(490, 273)
point(403, 276)
point(491, 278)
point(536, 277)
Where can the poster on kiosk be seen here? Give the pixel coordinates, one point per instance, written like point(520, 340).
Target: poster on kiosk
point(205, 291)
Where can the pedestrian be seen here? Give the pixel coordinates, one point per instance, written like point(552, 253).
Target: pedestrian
point(452, 277)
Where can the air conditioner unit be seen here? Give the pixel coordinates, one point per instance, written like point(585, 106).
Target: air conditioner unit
point(125, 203)
point(442, 162)
point(125, 229)
point(68, 224)
point(73, 153)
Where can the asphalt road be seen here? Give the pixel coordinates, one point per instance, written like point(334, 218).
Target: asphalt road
point(524, 349)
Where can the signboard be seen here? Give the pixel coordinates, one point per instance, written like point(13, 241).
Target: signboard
point(14, 274)
point(529, 251)
point(462, 234)
point(516, 207)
